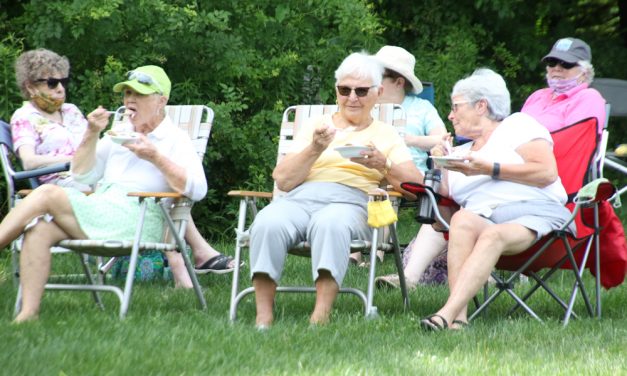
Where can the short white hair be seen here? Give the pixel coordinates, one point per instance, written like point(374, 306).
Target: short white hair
point(588, 70)
point(361, 66)
point(486, 84)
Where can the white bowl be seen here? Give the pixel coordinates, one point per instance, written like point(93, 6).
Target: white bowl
point(352, 151)
point(444, 160)
point(123, 137)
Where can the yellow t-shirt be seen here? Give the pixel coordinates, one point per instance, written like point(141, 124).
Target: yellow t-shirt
point(332, 167)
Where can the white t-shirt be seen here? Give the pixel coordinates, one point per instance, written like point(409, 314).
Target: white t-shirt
point(481, 194)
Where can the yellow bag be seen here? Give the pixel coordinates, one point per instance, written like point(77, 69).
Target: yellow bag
point(381, 213)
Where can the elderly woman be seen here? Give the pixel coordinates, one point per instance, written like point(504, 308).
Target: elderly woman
point(508, 189)
point(567, 99)
point(46, 130)
point(326, 203)
point(162, 159)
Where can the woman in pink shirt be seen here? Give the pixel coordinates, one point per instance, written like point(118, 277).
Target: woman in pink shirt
point(567, 99)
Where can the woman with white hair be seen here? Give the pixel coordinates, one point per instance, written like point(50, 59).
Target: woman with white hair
point(507, 186)
point(327, 194)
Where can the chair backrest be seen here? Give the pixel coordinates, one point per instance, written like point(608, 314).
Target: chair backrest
point(7, 159)
point(428, 92)
point(197, 120)
point(614, 91)
point(574, 148)
point(295, 116)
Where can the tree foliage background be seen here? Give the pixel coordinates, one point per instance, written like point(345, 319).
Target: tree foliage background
point(249, 59)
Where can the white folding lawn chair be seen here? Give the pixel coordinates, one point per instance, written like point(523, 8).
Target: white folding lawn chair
point(293, 118)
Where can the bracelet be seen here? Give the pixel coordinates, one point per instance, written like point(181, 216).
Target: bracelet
point(496, 170)
point(388, 166)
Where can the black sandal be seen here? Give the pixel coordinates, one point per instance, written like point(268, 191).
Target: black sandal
point(217, 264)
point(430, 325)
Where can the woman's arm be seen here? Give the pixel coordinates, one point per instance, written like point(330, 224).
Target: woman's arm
point(426, 142)
point(539, 168)
point(400, 173)
point(294, 168)
point(85, 157)
point(31, 160)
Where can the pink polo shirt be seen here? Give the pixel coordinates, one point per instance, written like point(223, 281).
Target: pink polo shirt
point(565, 109)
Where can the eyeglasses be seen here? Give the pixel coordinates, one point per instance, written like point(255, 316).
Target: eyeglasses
point(144, 79)
point(552, 62)
point(455, 105)
point(54, 82)
point(345, 91)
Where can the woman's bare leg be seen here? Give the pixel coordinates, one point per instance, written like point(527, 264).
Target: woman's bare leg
point(265, 290)
point(47, 199)
point(201, 250)
point(427, 246)
point(492, 242)
point(326, 292)
point(35, 260)
point(179, 271)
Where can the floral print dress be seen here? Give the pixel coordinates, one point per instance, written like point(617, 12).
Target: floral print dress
point(29, 127)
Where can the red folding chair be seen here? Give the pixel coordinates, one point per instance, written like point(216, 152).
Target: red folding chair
point(575, 148)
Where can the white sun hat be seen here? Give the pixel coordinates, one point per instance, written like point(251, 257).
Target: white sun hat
point(399, 60)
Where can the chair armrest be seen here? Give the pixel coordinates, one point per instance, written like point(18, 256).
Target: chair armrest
point(596, 191)
point(254, 194)
point(380, 192)
point(23, 175)
point(155, 194)
point(418, 188)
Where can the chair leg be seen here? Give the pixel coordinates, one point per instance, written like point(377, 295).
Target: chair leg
point(371, 310)
point(18, 301)
point(132, 265)
point(399, 266)
point(241, 223)
point(180, 244)
point(90, 279)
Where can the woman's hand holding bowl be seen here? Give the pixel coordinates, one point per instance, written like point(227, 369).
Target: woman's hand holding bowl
point(371, 158)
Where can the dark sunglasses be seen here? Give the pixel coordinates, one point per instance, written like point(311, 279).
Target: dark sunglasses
point(54, 82)
point(345, 91)
point(552, 62)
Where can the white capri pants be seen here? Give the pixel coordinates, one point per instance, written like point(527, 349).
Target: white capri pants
point(328, 215)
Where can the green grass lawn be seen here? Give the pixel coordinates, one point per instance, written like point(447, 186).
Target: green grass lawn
point(165, 333)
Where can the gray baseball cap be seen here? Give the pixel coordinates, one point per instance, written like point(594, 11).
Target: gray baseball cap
point(570, 50)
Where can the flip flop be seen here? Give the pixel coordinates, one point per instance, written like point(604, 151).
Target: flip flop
point(430, 325)
point(218, 265)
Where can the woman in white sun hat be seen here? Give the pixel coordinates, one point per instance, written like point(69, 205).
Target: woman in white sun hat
point(424, 130)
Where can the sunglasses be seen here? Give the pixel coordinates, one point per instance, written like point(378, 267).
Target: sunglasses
point(552, 62)
point(345, 91)
point(144, 79)
point(54, 82)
